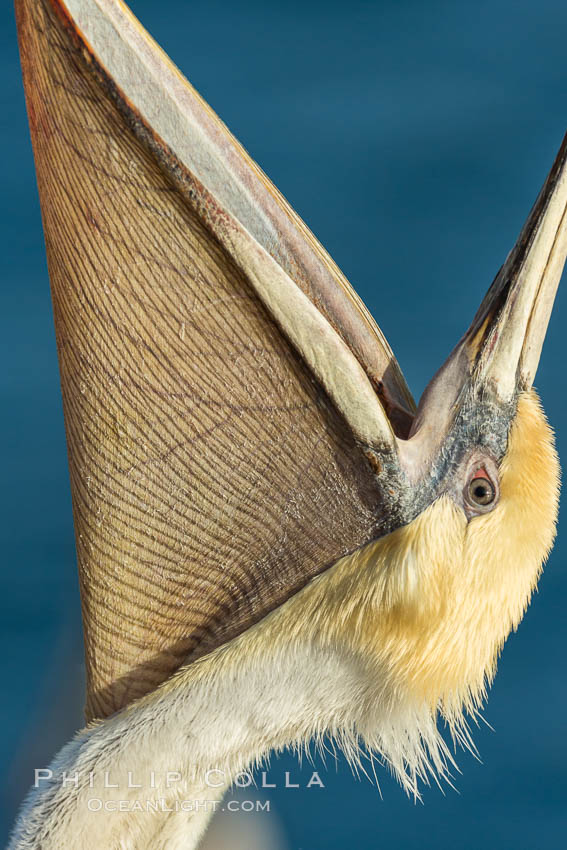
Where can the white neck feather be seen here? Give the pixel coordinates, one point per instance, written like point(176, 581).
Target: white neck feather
point(220, 715)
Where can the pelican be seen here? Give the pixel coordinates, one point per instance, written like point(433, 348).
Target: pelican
point(274, 543)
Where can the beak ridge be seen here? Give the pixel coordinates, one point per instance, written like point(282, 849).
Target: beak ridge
point(506, 338)
point(499, 354)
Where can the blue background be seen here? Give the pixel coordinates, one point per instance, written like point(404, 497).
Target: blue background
point(412, 137)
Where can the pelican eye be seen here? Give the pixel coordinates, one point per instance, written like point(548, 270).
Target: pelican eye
point(481, 491)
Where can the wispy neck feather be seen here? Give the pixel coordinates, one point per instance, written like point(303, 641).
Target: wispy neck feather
point(222, 714)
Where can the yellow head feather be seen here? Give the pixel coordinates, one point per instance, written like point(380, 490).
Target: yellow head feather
point(434, 601)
